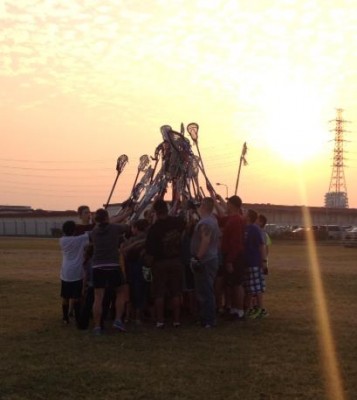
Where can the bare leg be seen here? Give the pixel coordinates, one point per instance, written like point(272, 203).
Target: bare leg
point(77, 309)
point(218, 289)
point(121, 300)
point(65, 307)
point(176, 308)
point(248, 301)
point(228, 296)
point(260, 300)
point(97, 306)
point(71, 308)
point(192, 303)
point(159, 308)
point(239, 297)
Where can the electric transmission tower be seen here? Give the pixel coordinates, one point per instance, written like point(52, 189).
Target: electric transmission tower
point(337, 192)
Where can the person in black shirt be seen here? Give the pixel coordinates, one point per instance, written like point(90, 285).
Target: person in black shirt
point(86, 223)
point(163, 246)
point(106, 238)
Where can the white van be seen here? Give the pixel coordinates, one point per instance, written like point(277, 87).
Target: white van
point(333, 231)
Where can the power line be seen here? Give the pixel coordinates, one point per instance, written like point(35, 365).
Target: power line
point(52, 184)
point(54, 161)
point(55, 176)
point(50, 195)
point(53, 169)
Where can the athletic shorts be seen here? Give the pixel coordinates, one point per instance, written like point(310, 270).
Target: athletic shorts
point(189, 281)
point(71, 290)
point(239, 274)
point(255, 282)
point(107, 278)
point(221, 271)
point(167, 278)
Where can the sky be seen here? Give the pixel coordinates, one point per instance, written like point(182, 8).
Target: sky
point(84, 81)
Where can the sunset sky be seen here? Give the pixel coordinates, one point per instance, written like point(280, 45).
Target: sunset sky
point(84, 81)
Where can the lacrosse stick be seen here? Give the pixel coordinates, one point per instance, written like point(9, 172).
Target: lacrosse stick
point(243, 161)
point(121, 162)
point(144, 161)
point(180, 161)
point(194, 170)
point(146, 178)
point(159, 150)
point(192, 129)
point(157, 188)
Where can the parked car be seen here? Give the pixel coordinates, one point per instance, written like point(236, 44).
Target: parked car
point(300, 233)
point(350, 238)
point(334, 232)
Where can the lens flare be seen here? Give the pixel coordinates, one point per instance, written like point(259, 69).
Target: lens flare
point(325, 335)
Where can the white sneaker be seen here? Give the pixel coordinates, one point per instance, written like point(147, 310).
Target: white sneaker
point(160, 325)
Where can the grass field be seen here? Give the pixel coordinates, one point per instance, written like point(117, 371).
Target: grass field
point(274, 358)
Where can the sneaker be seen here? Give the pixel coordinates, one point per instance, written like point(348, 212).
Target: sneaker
point(248, 312)
point(160, 325)
point(65, 321)
point(147, 274)
point(118, 324)
point(176, 324)
point(263, 313)
point(97, 331)
point(254, 313)
point(208, 326)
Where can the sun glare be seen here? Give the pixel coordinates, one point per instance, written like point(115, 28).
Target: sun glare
point(330, 364)
point(292, 128)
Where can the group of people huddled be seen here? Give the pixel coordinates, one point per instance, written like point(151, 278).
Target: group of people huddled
point(199, 261)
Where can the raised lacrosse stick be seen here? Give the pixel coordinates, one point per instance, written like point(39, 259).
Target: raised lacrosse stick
point(179, 163)
point(144, 161)
point(242, 160)
point(121, 162)
point(192, 129)
point(159, 150)
point(193, 175)
point(146, 178)
point(155, 190)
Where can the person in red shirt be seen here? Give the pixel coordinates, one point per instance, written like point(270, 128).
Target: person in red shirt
point(232, 248)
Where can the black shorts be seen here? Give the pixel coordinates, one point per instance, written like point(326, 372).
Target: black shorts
point(189, 280)
point(71, 290)
point(221, 270)
point(239, 274)
point(167, 278)
point(107, 278)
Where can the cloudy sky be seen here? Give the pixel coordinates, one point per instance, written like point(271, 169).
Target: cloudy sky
point(83, 81)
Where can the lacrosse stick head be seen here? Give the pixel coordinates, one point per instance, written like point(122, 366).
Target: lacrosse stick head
point(165, 129)
point(192, 129)
point(121, 162)
point(182, 129)
point(144, 161)
point(146, 177)
point(137, 190)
